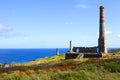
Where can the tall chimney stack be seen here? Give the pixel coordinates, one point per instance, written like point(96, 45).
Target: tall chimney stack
point(102, 45)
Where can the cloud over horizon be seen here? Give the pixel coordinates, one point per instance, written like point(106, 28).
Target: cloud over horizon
point(11, 35)
point(5, 28)
point(8, 32)
point(118, 35)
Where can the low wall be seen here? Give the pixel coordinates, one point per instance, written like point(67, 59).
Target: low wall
point(85, 49)
point(71, 56)
point(92, 55)
point(86, 55)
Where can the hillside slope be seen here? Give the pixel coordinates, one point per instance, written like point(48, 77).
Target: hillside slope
point(56, 68)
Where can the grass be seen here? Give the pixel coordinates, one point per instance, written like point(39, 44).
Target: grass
point(51, 59)
point(57, 68)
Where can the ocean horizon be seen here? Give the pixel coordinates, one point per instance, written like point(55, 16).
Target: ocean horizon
point(26, 55)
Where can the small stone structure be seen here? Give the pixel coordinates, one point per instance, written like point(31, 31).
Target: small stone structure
point(6, 65)
point(70, 47)
point(57, 51)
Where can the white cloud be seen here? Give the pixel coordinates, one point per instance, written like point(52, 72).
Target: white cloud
point(4, 28)
point(7, 32)
point(81, 6)
point(118, 35)
point(107, 32)
point(11, 35)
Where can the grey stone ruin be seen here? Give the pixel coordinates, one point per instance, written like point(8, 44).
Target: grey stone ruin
point(91, 52)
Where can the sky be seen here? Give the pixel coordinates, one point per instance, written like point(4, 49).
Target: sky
point(53, 23)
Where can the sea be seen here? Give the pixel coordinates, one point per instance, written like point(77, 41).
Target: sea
point(26, 55)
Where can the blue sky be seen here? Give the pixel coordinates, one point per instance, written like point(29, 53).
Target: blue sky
point(53, 23)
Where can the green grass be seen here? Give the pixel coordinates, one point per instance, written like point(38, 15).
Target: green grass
point(43, 60)
point(88, 70)
point(116, 50)
point(57, 68)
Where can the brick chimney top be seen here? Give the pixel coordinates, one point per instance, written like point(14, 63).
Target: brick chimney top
point(101, 7)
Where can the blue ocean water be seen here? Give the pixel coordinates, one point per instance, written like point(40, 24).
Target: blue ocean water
point(25, 55)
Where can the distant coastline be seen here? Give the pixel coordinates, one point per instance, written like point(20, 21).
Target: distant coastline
point(26, 55)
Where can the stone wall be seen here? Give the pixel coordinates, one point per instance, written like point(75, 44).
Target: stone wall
point(71, 56)
point(80, 55)
point(98, 55)
point(85, 49)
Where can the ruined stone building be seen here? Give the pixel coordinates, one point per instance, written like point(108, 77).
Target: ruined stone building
point(88, 51)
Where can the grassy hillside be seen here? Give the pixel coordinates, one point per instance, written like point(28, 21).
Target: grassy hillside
point(56, 68)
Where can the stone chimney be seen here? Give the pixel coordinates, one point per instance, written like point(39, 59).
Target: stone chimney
point(70, 46)
point(102, 45)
